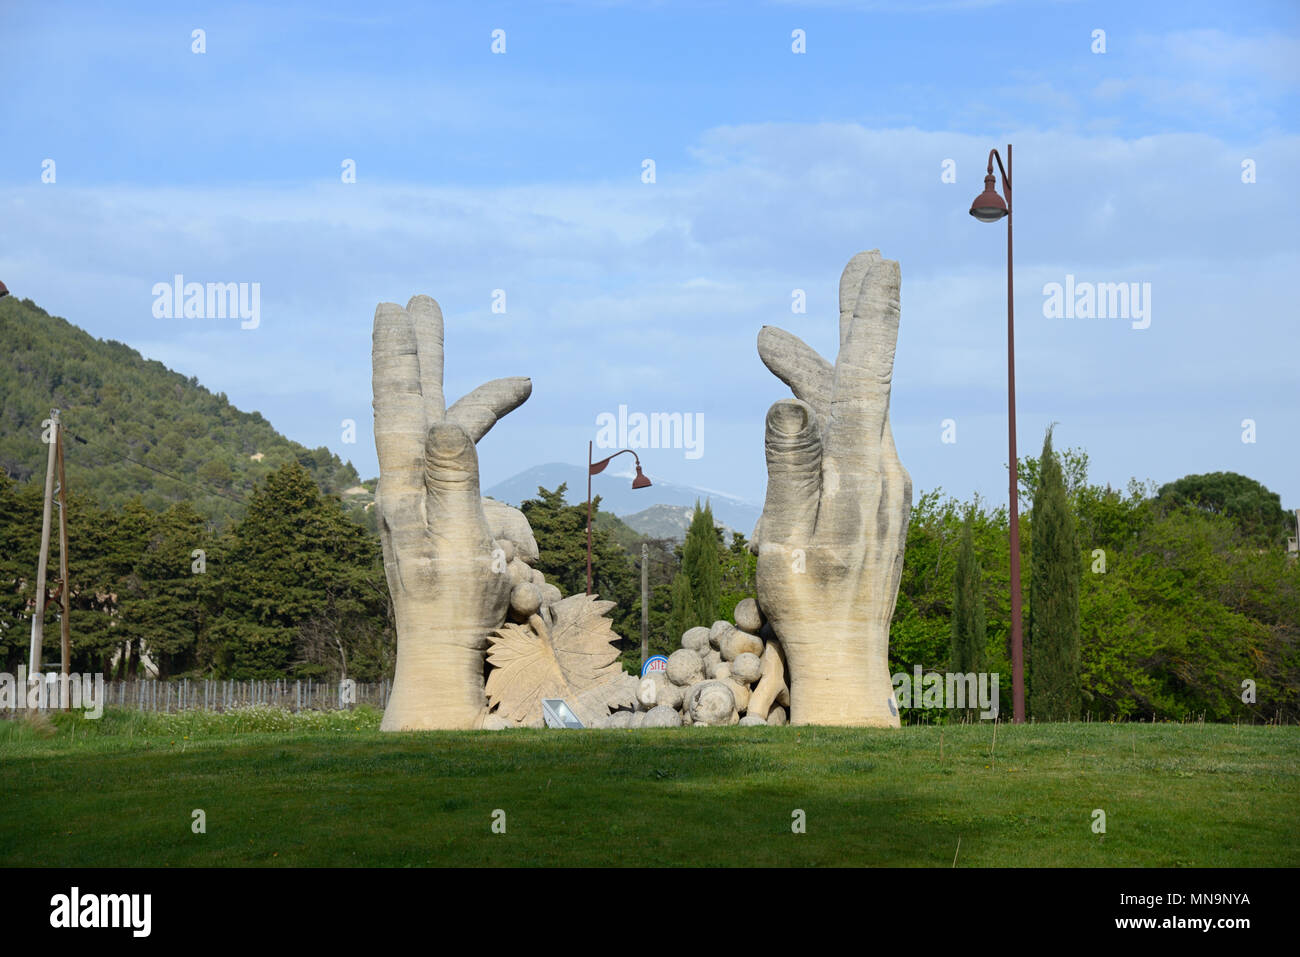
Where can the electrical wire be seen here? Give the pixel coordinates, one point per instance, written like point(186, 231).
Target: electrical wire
point(154, 468)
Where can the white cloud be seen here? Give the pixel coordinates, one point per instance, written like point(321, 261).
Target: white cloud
point(652, 296)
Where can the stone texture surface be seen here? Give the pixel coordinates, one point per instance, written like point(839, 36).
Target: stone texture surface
point(670, 694)
point(647, 693)
point(684, 666)
point(445, 572)
point(525, 600)
point(697, 639)
point(737, 642)
point(509, 525)
point(748, 617)
point(740, 692)
point(662, 717)
point(831, 537)
point(571, 654)
point(747, 667)
point(751, 720)
point(712, 703)
point(772, 683)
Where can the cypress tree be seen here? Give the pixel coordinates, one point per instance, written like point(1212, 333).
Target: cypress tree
point(683, 616)
point(966, 652)
point(702, 563)
point(1053, 651)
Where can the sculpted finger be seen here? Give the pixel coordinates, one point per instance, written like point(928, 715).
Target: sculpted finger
point(477, 412)
point(399, 414)
point(426, 318)
point(794, 463)
point(451, 482)
point(864, 369)
point(798, 365)
point(896, 506)
point(851, 285)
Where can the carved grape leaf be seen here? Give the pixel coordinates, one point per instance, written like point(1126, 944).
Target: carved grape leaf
point(573, 658)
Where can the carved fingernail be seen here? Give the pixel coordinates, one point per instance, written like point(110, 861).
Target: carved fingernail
point(787, 418)
point(447, 441)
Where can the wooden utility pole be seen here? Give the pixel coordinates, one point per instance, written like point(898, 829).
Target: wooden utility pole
point(645, 603)
point(65, 619)
point(38, 619)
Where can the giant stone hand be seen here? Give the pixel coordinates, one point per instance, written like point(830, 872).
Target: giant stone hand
point(445, 573)
point(830, 541)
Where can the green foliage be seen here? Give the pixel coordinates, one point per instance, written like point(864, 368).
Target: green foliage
point(169, 609)
point(295, 588)
point(684, 615)
point(1052, 660)
point(127, 406)
point(20, 520)
point(1179, 620)
point(969, 636)
point(294, 575)
point(739, 578)
point(701, 557)
point(1255, 510)
point(200, 725)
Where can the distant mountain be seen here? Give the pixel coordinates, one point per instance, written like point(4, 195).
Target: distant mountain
point(136, 419)
point(618, 496)
point(671, 521)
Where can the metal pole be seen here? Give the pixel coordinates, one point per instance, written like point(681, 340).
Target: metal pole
point(1017, 633)
point(645, 602)
point(38, 620)
point(66, 617)
point(588, 518)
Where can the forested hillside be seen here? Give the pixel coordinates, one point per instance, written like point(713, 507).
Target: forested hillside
point(126, 407)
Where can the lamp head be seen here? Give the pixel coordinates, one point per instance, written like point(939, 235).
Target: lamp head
point(988, 207)
point(640, 481)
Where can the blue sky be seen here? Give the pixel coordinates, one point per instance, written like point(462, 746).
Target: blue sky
point(522, 171)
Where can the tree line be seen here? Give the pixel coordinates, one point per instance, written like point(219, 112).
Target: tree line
point(1140, 603)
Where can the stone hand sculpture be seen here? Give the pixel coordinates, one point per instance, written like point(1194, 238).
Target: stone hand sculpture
point(447, 574)
point(831, 537)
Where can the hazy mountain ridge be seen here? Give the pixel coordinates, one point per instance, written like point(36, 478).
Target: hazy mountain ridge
point(618, 496)
point(671, 521)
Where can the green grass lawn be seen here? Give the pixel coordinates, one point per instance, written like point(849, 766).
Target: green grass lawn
point(333, 790)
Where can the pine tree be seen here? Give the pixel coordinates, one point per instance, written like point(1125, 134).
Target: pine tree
point(1053, 649)
point(295, 561)
point(702, 564)
point(966, 652)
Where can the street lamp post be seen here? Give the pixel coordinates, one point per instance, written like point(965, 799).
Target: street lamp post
point(595, 468)
point(989, 208)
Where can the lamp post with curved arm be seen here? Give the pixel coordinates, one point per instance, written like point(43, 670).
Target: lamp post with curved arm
point(989, 208)
point(595, 468)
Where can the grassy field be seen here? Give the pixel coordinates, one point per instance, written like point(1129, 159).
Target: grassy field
point(281, 790)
